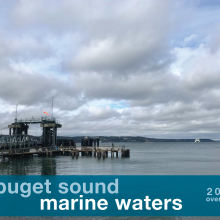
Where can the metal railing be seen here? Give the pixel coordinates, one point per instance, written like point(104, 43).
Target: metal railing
point(18, 141)
point(37, 120)
point(102, 147)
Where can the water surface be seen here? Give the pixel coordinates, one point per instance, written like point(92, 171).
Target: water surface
point(145, 159)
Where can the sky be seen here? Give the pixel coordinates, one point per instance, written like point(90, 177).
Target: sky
point(116, 68)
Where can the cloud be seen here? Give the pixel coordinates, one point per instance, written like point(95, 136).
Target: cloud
point(127, 37)
point(115, 68)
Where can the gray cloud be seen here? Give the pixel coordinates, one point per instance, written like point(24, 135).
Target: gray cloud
point(115, 68)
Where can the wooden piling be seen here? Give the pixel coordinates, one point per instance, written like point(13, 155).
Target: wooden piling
point(99, 155)
point(103, 154)
point(122, 153)
point(73, 154)
point(112, 153)
point(127, 152)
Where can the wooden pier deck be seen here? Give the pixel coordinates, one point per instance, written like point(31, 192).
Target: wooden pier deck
point(75, 152)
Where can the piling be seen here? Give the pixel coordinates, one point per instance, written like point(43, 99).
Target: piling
point(112, 152)
point(122, 153)
point(103, 154)
point(99, 154)
point(106, 153)
point(127, 154)
point(73, 154)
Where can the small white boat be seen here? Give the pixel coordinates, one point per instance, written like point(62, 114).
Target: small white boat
point(197, 140)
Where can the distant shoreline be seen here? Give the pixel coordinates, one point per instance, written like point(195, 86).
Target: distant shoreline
point(134, 139)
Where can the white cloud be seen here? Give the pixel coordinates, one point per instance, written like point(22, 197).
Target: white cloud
point(115, 68)
point(190, 38)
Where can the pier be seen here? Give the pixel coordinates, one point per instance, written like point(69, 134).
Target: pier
point(20, 144)
point(97, 152)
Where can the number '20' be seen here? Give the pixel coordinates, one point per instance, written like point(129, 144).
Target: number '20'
point(217, 191)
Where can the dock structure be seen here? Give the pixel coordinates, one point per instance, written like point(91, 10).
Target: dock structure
point(49, 126)
point(90, 141)
point(75, 152)
point(20, 144)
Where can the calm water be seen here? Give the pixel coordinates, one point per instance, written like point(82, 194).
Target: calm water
point(146, 159)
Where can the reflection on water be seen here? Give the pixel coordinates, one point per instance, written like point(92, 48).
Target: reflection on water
point(48, 167)
point(28, 166)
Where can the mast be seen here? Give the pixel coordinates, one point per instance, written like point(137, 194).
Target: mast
point(52, 106)
point(16, 114)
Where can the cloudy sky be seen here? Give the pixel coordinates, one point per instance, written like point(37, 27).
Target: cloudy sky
point(128, 67)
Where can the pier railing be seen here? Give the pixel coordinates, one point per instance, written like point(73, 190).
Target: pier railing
point(110, 147)
point(18, 141)
point(36, 120)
